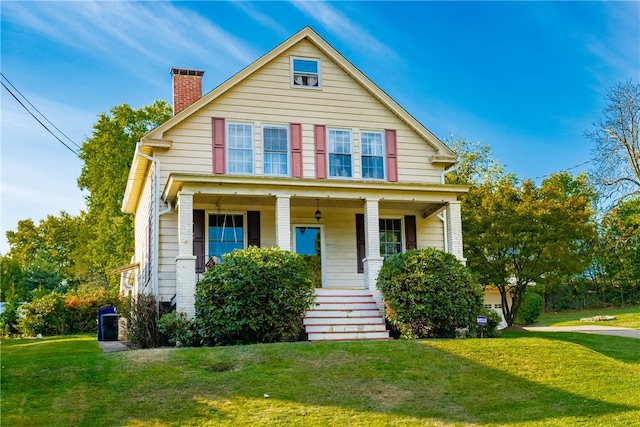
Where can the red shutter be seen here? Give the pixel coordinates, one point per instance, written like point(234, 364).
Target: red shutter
point(253, 228)
point(360, 242)
point(320, 137)
point(198, 239)
point(218, 142)
point(392, 155)
point(410, 232)
point(295, 132)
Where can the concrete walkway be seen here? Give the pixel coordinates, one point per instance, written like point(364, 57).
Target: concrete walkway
point(589, 329)
point(112, 346)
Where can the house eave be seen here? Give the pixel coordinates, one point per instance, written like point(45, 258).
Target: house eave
point(310, 188)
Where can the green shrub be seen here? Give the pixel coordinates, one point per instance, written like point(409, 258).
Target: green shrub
point(254, 295)
point(44, 315)
point(530, 309)
point(57, 313)
point(9, 320)
point(429, 293)
point(141, 315)
point(179, 329)
point(493, 321)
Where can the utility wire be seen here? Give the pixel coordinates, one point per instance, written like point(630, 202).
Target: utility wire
point(36, 118)
point(565, 169)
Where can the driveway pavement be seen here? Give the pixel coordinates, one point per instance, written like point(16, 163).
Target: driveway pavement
point(589, 329)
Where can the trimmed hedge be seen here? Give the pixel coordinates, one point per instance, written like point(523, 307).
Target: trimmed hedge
point(255, 295)
point(429, 293)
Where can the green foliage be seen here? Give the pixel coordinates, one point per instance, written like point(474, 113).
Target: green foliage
point(491, 329)
point(9, 320)
point(531, 308)
point(44, 315)
point(56, 313)
point(255, 295)
point(182, 331)
point(141, 314)
point(107, 157)
point(476, 164)
point(429, 293)
point(521, 235)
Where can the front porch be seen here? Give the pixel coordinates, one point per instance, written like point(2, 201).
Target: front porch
point(344, 214)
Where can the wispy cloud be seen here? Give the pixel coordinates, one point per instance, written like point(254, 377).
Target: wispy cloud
point(342, 27)
point(130, 32)
point(252, 12)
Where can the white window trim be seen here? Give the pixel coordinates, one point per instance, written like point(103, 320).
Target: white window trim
point(288, 151)
point(384, 155)
point(295, 86)
point(253, 148)
point(329, 152)
point(403, 236)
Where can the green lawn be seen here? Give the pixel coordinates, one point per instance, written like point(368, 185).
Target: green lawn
point(524, 379)
point(627, 317)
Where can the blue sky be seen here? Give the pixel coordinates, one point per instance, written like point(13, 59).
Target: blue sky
point(528, 78)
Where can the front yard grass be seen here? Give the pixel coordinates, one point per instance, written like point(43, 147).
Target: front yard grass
point(627, 317)
point(524, 379)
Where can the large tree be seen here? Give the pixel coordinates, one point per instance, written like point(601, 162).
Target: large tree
point(617, 138)
point(476, 164)
point(520, 235)
point(107, 156)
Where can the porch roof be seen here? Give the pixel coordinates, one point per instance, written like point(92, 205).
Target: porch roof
point(261, 190)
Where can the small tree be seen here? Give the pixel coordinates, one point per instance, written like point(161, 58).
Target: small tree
point(255, 295)
point(429, 293)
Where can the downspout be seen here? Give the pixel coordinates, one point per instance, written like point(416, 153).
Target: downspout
point(443, 215)
point(156, 213)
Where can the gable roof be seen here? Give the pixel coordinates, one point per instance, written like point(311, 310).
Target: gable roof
point(156, 139)
point(444, 154)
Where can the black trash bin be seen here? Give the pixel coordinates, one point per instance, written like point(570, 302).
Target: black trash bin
point(102, 333)
point(109, 327)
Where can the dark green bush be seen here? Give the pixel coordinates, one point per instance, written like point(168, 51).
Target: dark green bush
point(179, 329)
point(493, 321)
point(530, 309)
point(429, 293)
point(142, 321)
point(255, 295)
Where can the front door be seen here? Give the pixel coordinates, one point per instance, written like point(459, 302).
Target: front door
point(308, 243)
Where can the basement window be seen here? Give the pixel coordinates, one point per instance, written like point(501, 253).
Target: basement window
point(305, 72)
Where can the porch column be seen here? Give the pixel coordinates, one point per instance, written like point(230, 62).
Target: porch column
point(454, 230)
point(372, 261)
point(185, 261)
point(283, 222)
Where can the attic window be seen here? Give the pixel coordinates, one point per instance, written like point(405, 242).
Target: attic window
point(305, 72)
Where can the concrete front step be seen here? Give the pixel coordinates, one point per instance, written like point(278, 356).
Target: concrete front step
point(346, 336)
point(342, 313)
point(343, 298)
point(342, 291)
point(375, 327)
point(345, 305)
point(363, 320)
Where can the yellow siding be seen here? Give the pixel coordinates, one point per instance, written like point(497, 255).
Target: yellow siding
point(168, 254)
point(266, 97)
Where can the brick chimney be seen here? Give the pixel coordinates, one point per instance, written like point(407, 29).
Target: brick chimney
point(187, 87)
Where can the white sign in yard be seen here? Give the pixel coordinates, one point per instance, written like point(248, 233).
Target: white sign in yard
point(482, 320)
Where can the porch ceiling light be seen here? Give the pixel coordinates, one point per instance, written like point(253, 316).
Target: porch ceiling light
point(318, 213)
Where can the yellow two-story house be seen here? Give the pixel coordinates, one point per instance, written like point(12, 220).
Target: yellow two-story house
point(298, 150)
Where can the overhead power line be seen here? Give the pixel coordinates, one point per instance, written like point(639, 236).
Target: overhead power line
point(37, 118)
point(565, 169)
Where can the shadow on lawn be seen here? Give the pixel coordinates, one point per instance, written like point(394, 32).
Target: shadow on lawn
point(626, 350)
point(392, 382)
